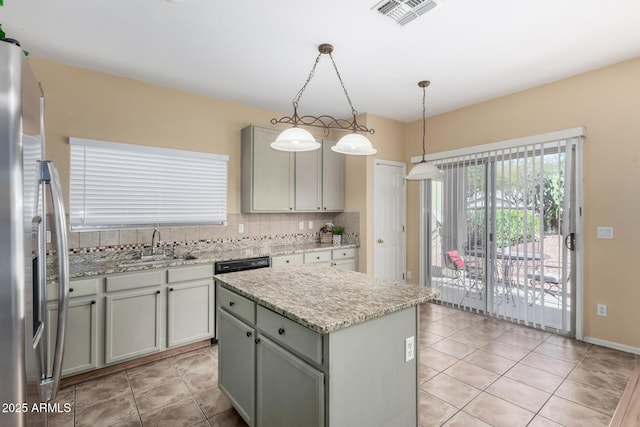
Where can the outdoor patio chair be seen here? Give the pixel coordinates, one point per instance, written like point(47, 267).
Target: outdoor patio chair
point(550, 283)
point(467, 274)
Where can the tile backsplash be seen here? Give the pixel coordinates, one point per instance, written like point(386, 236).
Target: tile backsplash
point(256, 227)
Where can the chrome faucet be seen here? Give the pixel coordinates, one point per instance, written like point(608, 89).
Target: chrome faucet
point(153, 239)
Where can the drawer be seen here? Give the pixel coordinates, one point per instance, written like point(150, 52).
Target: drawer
point(296, 337)
point(133, 281)
point(183, 274)
point(237, 304)
point(280, 260)
point(77, 288)
point(344, 253)
point(321, 256)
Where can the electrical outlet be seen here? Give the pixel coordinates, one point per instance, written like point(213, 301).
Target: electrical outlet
point(605, 232)
point(301, 225)
point(240, 228)
point(310, 225)
point(409, 349)
point(408, 275)
point(602, 310)
point(48, 236)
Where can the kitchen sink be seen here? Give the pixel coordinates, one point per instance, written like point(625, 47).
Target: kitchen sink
point(142, 262)
point(154, 262)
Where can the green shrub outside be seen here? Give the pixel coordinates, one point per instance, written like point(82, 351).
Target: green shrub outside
point(510, 227)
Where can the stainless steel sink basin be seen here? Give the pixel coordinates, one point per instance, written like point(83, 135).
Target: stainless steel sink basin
point(154, 262)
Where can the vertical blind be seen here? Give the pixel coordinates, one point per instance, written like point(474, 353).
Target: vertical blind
point(119, 185)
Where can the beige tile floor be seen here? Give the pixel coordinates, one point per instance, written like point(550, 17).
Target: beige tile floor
point(474, 371)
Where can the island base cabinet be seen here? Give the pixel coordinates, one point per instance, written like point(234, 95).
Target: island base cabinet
point(190, 309)
point(132, 324)
point(236, 364)
point(290, 393)
point(81, 344)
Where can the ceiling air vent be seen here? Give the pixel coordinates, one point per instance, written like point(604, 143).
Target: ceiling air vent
point(405, 11)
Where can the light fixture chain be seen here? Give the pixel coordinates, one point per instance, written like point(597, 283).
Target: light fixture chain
point(344, 88)
point(311, 74)
point(424, 120)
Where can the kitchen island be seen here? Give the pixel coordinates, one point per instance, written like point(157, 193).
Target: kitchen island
point(315, 346)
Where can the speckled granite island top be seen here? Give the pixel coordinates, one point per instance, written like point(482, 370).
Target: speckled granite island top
point(323, 298)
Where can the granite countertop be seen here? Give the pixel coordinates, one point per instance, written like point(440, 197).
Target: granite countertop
point(100, 263)
point(322, 298)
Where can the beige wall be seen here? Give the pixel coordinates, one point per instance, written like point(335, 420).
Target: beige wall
point(607, 103)
point(88, 104)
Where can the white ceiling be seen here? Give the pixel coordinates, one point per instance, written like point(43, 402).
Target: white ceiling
point(259, 53)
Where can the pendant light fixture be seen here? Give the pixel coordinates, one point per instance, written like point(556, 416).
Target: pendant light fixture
point(298, 139)
point(424, 170)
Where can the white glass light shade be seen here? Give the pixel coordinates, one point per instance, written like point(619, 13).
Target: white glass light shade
point(424, 170)
point(295, 139)
point(354, 143)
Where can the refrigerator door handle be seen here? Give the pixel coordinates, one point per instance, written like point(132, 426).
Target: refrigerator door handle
point(49, 175)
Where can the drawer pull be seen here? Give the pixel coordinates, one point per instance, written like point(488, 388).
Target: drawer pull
point(70, 290)
point(170, 289)
point(344, 254)
point(281, 331)
point(257, 340)
point(231, 303)
point(157, 292)
point(93, 302)
point(249, 334)
point(288, 261)
point(317, 257)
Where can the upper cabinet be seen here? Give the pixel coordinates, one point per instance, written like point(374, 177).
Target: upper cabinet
point(277, 181)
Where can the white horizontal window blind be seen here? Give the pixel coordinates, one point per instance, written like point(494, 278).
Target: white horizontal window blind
point(119, 185)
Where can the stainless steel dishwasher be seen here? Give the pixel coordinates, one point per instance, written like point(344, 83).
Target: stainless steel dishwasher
point(232, 266)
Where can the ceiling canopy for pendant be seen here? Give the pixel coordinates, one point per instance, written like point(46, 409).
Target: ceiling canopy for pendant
point(424, 170)
point(297, 139)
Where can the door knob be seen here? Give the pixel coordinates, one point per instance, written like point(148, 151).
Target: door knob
point(380, 241)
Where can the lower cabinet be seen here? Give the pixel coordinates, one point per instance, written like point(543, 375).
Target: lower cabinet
point(190, 312)
point(236, 364)
point(132, 326)
point(81, 344)
point(283, 377)
point(267, 383)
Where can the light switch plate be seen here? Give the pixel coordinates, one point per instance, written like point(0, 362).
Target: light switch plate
point(240, 228)
point(301, 225)
point(605, 232)
point(409, 349)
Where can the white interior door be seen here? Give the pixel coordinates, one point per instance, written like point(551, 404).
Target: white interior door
point(389, 217)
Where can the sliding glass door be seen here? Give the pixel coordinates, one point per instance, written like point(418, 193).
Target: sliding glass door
point(501, 225)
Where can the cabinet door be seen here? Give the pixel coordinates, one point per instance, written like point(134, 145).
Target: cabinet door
point(132, 324)
point(290, 392)
point(190, 312)
point(347, 264)
point(308, 181)
point(332, 178)
point(236, 364)
point(81, 343)
point(271, 174)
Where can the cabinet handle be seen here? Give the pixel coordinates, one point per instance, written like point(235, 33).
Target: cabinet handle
point(290, 209)
point(281, 331)
point(287, 261)
point(325, 208)
point(170, 289)
point(318, 207)
point(257, 340)
point(231, 303)
point(344, 254)
point(157, 292)
point(93, 302)
point(70, 290)
point(249, 334)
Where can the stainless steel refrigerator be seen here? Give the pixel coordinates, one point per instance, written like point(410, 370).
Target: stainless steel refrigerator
point(29, 195)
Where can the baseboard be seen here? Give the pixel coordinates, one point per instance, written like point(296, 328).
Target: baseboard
point(613, 345)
